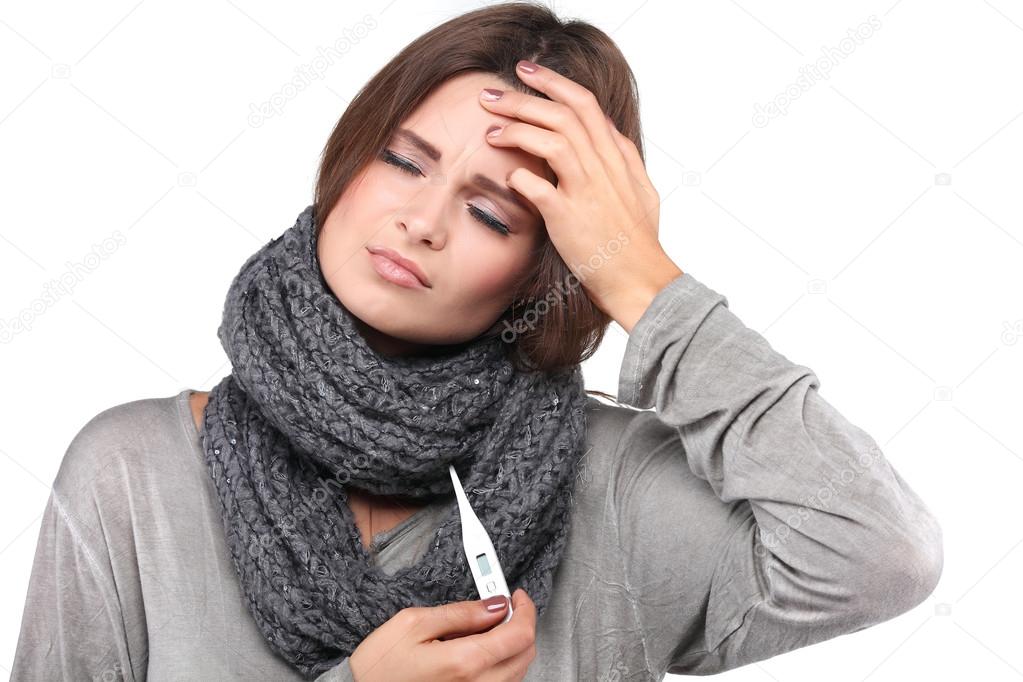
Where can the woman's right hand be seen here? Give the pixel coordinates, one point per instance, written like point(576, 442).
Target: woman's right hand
point(456, 641)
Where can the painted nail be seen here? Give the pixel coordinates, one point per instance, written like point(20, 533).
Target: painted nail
point(494, 131)
point(527, 66)
point(496, 603)
point(492, 94)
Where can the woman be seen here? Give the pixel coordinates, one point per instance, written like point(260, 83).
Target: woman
point(298, 521)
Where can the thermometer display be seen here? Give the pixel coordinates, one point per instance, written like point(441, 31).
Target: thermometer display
point(481, 559)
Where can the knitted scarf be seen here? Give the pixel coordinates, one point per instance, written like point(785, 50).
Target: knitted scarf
point(310, 408)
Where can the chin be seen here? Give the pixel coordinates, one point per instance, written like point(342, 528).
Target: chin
point(395, 320)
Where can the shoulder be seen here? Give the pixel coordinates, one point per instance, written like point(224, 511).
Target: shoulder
point(119, 443)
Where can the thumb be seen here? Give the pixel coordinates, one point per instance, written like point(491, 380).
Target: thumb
point(460, 617)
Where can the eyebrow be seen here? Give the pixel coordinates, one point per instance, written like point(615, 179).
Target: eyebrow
point(478, 179)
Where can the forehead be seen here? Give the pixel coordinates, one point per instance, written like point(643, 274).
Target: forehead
point(453, 120)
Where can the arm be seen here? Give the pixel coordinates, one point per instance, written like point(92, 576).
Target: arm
point(72, 627)
point(85, 614)
point(755, 518)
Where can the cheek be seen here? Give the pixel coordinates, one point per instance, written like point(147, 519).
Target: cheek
point(370, 195)
point(493, 281)
point(490, 274)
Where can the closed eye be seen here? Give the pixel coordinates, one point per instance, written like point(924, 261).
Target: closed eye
point(390, 158)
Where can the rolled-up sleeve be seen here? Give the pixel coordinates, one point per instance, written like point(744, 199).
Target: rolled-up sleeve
point(755, 519)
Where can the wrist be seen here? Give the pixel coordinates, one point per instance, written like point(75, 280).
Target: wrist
point(637, 294)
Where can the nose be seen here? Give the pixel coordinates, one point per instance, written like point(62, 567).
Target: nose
point(422, 217)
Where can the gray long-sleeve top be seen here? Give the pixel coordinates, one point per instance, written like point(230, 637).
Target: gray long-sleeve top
point(740, 518)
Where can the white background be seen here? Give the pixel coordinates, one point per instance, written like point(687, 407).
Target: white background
point(873, 232)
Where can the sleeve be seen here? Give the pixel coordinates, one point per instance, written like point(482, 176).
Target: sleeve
point(754, 518)
point(72, 626)
point(342, 672)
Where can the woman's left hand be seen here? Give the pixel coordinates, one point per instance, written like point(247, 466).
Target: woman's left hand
point(603, 215)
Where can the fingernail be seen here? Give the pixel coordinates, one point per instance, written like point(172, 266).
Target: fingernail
point(491, 94)
point(496, 603)
point(495, 131)
point(527, 66)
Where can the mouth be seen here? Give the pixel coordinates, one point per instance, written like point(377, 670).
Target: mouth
point(392, 266)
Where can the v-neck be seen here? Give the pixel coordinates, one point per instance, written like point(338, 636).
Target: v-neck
point(385, 538)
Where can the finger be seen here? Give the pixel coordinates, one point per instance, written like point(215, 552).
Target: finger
point(522, 600)
point(539, 192)
point(633, 161)
point(465, 631)
point(582, 102)
point(555, 116)
point(548, 145)
point(467, 616)
point(504, 641)
point(621, 173)
point(514, 666)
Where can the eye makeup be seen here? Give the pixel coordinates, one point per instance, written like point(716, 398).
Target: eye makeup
point(406, 166)
point(481, 181)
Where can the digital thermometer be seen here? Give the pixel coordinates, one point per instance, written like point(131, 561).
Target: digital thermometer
point(479, 550)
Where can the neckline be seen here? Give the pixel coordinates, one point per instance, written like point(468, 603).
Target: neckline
point(378, 542)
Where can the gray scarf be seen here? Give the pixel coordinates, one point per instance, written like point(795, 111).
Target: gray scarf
point(309, 408)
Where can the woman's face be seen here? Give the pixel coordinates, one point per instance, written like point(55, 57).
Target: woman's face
point(471, 242)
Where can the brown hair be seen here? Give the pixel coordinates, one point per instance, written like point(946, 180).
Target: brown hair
point(492, 40)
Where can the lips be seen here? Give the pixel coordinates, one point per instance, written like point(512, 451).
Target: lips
point(409, 265)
